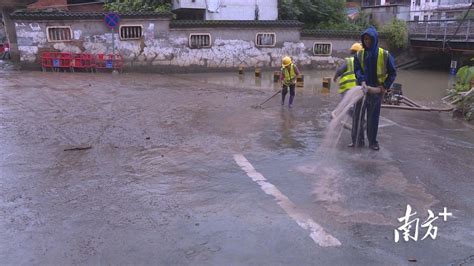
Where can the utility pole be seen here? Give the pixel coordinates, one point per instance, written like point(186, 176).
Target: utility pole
point(11, 34)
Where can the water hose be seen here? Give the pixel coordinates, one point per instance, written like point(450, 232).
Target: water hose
point(411, 106)
point(423, 108)
point(360, 126)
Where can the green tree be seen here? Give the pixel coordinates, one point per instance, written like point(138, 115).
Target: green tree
point(397, 34)
point(287, 10)
point(313, 12)
point(363, 20)
point(138, 5)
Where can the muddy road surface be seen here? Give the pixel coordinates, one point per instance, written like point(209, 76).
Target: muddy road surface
point(140, 169)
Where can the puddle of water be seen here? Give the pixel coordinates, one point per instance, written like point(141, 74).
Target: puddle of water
point(313, 80)
point(419, 85)
point(424, 85)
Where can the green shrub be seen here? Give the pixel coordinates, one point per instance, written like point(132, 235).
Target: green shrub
point(463, 78)
point(397, 34)
point(137, 5)
point(464, 104)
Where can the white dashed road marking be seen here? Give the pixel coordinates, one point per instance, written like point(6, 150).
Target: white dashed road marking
point(317, 233)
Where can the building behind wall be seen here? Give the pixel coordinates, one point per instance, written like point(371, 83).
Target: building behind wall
point(366, 3)
point(384, 11)
point(438, 9)
point(69, 5)
point(185, 9)
point(226, 10)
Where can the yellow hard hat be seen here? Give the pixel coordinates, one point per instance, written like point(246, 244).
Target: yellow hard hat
point(356, 47)
point(286, 61)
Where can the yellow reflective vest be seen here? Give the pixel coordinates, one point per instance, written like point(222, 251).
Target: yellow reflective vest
point(348, 78)
point(288, 75)
point(382, 60)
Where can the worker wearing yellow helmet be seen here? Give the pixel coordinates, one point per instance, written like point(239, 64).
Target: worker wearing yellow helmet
point(289, 71)
point(346, 71)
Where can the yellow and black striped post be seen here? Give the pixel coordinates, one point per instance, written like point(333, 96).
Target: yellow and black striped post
point(257, 72)
point(276, 76)
point(300, 81)
point(326, 85)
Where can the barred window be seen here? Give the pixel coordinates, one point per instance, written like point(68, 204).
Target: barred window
point(199, 40)
point(129, 32)
point(265, 39)
point(322, 48)
point(59, 34)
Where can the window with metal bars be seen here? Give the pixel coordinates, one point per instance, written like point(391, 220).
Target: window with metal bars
point(267, 39)
point(131, 32)
point(322, 48)
point(200, 40)
point(59, 34)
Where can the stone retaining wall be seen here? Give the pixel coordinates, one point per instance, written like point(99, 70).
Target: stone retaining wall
point(163, 48)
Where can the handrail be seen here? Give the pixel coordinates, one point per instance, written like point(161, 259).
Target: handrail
point(445, 31)
point(437, 20)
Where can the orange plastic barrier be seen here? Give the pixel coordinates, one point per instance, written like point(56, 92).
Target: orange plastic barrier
point(107, 61)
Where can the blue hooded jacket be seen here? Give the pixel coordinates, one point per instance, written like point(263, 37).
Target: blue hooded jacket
point(369, 74)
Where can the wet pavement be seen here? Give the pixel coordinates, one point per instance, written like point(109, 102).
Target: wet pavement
point(155, 179)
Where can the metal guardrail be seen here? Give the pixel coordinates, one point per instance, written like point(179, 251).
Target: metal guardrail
point(442, 30)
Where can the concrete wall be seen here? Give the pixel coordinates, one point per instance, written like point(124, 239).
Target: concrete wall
point(164, 48)
point(340, 46)
point(233, 47)
point(88, 36)
point(282, 34)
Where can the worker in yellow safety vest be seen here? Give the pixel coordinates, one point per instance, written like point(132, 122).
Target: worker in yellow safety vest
point(346, 71)
point(373, 67)
point(288, 75)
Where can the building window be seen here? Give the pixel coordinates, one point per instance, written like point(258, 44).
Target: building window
point(425, 18)
point(199, 40)
point(416, 18)
point(417, 2)
point(131, 32)
point(322, 48)
point(265, 39)
point(450, 15)
point(59, 33)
